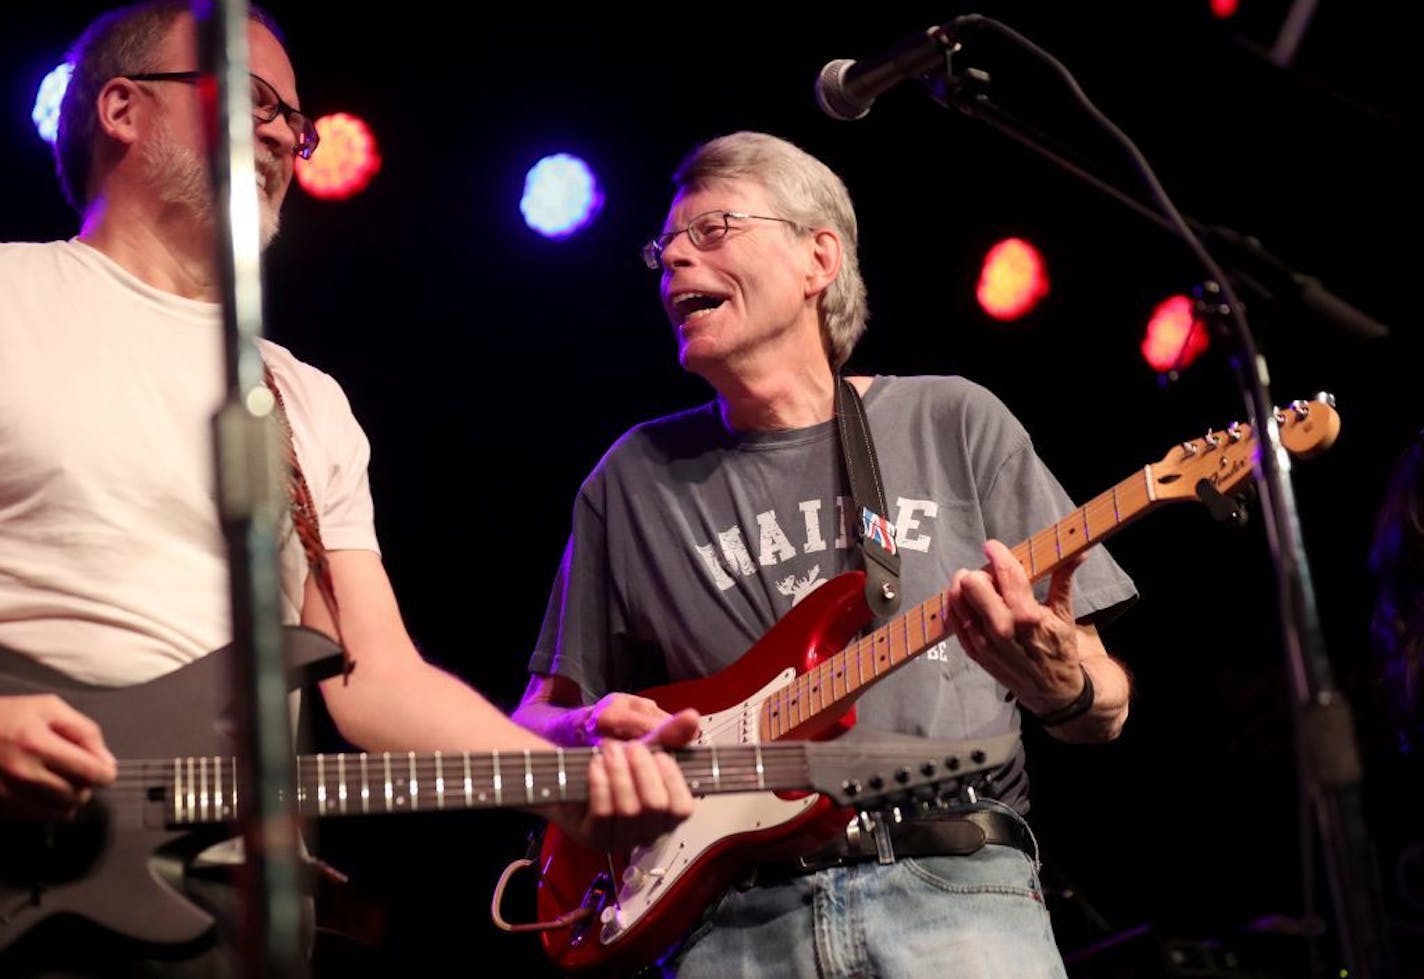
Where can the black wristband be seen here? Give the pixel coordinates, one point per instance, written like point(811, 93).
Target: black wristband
point(1081, 704)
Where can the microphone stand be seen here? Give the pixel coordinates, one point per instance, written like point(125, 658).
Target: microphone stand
point(251, 501)
point(1329, 766)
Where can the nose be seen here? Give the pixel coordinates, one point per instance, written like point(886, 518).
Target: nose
point(277, 134)
point(678, 250)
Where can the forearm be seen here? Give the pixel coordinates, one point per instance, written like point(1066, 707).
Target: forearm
point(394, 700)
point(419, 708)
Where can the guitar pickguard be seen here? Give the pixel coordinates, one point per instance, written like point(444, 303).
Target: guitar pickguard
point(715, 820)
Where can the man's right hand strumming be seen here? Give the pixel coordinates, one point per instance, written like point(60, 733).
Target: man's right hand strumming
point(51, 758)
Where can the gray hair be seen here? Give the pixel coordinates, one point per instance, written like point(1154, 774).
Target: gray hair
point(121, 42)
point(804, 190)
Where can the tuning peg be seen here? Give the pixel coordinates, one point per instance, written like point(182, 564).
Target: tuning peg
point(1189, 448)
point(1212, 438)
point(1325, 398)
point(1301, 408)
point(1235, 432)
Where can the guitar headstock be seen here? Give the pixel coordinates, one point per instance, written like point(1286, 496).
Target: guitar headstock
point(898, 771)
point(1226, 459)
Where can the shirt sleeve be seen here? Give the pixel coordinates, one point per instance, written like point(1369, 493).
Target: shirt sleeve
point(576, 639)
point(1022, 498)
point(333, 450)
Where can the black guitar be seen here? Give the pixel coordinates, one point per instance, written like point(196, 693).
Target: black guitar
point(117, 863)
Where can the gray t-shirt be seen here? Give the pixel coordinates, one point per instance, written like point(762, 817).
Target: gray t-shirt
point(690, 541)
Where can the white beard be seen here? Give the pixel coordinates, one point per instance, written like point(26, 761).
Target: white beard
point(181, 176)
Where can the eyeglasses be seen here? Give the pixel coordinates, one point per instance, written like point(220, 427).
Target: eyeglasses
point(266, 106)
point(704, 231)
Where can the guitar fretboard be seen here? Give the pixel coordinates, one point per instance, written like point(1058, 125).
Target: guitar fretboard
point(204, 789)
point(829, 687)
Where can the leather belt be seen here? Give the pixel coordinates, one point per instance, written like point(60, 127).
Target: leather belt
point(951, 834)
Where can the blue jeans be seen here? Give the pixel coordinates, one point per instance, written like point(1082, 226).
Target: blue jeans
point(980, 916)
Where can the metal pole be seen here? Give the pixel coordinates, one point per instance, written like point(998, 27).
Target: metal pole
point(252, 502)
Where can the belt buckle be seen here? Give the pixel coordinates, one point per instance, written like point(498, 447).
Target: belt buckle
point(852, 849)
point(812, 863)
point(877, 825)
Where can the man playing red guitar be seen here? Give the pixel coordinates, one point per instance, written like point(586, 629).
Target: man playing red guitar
point(697, 532)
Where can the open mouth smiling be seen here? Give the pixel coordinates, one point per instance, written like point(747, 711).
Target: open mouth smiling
point(689, 306)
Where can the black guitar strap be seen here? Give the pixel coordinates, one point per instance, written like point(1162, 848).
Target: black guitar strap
point(879, 554)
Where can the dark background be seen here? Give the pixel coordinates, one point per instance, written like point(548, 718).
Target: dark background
point(492, 367)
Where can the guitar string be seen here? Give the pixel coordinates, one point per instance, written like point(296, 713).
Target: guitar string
point(425, 763)
point(732, 758)
point(137, 788)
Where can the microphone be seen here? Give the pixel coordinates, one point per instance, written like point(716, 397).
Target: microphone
point(846, 89)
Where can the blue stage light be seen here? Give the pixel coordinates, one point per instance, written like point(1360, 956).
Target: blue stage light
point(51, 93)
point(561, 196)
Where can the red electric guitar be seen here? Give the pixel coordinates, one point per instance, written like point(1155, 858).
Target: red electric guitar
point(800, 681)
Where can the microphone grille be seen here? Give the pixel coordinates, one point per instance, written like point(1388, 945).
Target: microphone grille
point(831, 92)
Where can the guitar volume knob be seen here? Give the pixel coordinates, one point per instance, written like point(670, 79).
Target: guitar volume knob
point(613, 922)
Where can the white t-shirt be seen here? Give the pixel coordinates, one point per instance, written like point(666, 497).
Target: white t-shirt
point(113, 565)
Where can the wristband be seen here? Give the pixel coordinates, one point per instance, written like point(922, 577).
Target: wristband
point(1081, 704)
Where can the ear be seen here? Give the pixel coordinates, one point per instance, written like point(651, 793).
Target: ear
point(116, 108)
point(825, 258)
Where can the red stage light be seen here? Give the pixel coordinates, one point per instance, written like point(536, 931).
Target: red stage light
point(345, 160)
point(1175, 335)
point(1013, 279)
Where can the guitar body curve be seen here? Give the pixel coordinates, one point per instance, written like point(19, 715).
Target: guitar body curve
point(645, 900)
point(118, 863)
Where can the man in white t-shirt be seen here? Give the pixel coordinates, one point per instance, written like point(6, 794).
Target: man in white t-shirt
point(113, 567)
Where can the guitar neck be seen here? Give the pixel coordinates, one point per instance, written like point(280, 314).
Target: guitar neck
point(197, 790)
point(826, 690)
